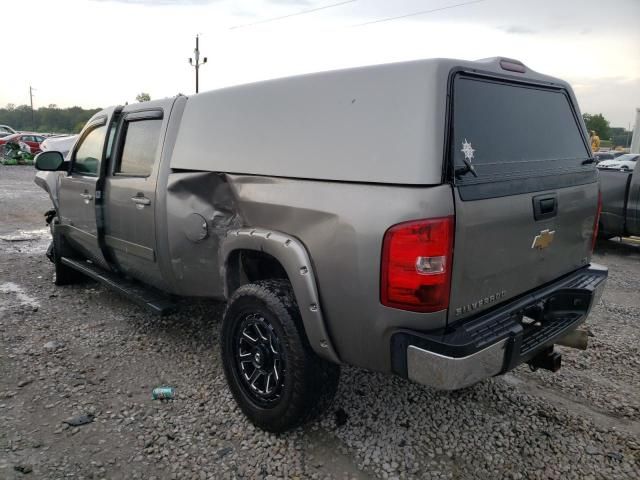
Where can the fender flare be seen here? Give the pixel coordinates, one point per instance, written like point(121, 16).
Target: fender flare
point(295, 260)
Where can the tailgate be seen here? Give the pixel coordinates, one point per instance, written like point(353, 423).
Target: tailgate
point(525, 201)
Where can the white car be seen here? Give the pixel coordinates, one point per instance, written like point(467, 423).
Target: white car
point(60, 144)
point(7, 129)
point(625, 162)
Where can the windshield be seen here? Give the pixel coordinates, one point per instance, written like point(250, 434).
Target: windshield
point(511, 131)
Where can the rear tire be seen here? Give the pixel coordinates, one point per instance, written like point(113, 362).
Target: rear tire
point(272, 372)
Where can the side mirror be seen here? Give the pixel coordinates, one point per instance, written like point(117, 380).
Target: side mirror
point(50, 161)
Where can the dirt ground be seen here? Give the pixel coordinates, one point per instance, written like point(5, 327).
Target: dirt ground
point(82, 350)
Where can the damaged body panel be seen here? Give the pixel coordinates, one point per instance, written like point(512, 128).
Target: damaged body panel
point(202, 210)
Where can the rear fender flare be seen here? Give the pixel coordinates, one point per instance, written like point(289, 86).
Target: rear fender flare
point(295, 260)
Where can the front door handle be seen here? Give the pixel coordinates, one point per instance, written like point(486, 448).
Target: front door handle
point(87, 197)
point(141, 201)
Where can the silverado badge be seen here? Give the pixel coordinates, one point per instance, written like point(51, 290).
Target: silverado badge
point(543, 239)
point(481, 302)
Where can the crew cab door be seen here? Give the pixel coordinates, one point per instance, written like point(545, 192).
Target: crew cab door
point(525, 190)
point(130, 190)
point(77, 192)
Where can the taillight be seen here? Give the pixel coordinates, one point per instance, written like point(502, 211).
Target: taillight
point(596, 223)
point(417, 258)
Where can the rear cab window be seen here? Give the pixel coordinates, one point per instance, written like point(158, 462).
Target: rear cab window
point(517, 138)
point(141, 140)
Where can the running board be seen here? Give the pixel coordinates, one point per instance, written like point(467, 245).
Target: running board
point(154, 301)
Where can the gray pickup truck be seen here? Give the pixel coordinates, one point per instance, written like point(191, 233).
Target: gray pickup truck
point(403, 218)
point(620, 215)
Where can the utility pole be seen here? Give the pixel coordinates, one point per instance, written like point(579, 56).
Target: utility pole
point(33, 122)
point(197, 63)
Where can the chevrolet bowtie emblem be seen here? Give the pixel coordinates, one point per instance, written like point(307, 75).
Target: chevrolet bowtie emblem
point(543, 239)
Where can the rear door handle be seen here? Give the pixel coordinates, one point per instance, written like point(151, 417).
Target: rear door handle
point(87, 197)
point(141, 201)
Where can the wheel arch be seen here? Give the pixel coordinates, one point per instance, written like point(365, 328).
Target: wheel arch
point(292, 257)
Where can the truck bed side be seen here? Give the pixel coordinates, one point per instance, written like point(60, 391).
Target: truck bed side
point(633, 204)
point(614, 186)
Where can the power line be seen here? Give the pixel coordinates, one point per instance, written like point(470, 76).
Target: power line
point(303, 12)
point(422, 12)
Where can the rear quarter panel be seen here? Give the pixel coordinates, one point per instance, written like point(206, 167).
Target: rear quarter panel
point(342, 226)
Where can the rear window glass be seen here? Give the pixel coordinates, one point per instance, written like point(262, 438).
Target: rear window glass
point(140, 145)
point(511, 131)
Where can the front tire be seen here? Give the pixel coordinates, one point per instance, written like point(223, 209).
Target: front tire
point(272, 372)
point(63, 275)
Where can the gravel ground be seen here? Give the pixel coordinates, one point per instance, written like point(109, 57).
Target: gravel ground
point(82, 350)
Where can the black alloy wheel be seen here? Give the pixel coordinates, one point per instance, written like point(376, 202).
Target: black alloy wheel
point(258, 357)
point(276, 378)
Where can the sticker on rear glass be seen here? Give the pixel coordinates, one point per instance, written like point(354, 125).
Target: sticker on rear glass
point(467, 150)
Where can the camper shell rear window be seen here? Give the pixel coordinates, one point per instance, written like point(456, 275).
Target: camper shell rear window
point(518, 137)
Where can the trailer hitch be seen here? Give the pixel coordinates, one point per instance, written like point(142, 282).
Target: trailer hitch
point(547, 359)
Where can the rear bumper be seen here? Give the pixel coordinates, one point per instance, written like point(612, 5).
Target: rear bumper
point(498, 341)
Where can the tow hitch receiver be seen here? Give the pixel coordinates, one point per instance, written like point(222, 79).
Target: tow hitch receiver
point(547, 359)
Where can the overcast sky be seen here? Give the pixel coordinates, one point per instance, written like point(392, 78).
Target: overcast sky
point(96, 53)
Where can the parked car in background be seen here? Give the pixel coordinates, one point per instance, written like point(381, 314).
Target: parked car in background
point(31, 140)
point(61, 143)
point(610, 155)
point(626, 162)
point(5, 134)
point(620, 190)
point(7, 129)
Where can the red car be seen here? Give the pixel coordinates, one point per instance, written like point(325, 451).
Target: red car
point(33, 140)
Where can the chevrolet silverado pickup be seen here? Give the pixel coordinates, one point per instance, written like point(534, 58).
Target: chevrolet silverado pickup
point(402, 218)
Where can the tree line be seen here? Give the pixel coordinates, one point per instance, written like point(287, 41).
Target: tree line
point(52, 119)
point(49, 119)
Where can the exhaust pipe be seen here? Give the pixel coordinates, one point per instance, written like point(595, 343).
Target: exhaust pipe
point(575, 339)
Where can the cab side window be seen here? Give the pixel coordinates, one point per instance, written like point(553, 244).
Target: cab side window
point(141, 140)
point(88, 154)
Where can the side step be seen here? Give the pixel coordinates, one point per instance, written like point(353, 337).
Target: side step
point(151, 299)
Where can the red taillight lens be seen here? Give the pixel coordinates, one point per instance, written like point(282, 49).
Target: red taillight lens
point(596, 223)
point(416, 265)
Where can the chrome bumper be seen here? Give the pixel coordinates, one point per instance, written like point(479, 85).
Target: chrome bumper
point(459, 358)
point(450, 373)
